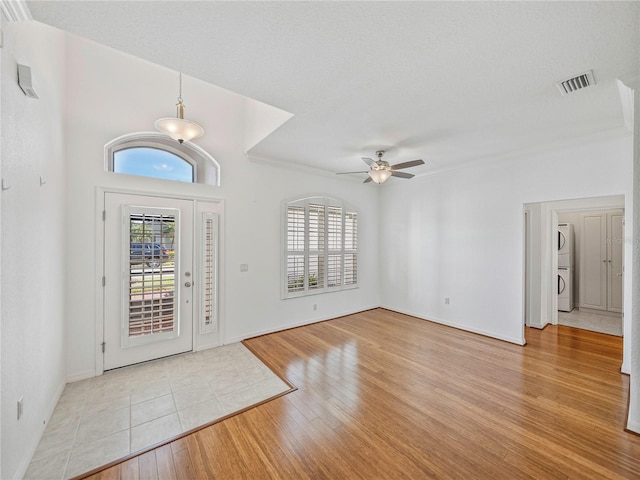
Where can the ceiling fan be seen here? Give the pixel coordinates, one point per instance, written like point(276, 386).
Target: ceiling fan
point(380, 170)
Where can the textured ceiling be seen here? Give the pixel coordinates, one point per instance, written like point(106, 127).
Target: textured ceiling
point(450, 82)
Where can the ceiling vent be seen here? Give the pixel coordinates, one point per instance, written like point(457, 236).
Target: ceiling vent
point(578, 82)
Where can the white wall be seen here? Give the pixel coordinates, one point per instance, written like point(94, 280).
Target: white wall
point(459, 234)
point(33, 239)
point(111, 94)
point(2, 21)
point(633, 422)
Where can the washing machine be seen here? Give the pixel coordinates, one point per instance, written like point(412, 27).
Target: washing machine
point(565, 289)
point(565, 245)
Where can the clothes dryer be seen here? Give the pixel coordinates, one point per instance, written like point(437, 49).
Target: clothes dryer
point(565, 245)
point(565, 289)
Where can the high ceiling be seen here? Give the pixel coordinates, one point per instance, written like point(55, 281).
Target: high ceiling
point(450, 82)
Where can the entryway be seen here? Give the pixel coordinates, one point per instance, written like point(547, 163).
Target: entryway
point(160, 264)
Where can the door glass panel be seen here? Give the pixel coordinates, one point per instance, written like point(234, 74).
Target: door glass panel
point(151, 294)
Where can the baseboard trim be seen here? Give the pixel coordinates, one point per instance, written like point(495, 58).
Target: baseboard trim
point(296, 325)
point(633, 427)
point(625, 369)
point(206, 346)
point(26, 459)
point(76, 377)
point(458, 326)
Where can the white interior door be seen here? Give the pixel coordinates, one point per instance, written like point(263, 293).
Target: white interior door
point(593, 264)
point(148, 293)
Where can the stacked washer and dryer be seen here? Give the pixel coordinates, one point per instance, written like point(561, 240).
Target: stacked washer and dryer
point(565, 267)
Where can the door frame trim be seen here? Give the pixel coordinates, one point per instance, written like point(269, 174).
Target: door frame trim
point(100, 192)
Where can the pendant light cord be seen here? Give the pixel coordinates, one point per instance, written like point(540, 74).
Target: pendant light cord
point(180, 89)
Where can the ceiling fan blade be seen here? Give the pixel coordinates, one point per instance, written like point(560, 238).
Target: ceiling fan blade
point(369, 161)
point(402, 174)
point(345, 173)
point(412, 163)
point(367, 180)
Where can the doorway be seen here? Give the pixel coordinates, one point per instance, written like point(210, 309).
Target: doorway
point(160, 277)
point(540, 302)
point(596, 240)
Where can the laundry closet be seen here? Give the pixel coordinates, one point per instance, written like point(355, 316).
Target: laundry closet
point(590, 261)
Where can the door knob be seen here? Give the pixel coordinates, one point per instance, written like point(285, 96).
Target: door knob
point(187, 284)
point(618, 274)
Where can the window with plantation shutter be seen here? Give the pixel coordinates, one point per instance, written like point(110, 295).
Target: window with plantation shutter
point(320, 246)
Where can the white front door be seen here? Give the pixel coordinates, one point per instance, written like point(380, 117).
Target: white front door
point(149, 278)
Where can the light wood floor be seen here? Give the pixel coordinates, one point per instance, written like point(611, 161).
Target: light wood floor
point(384, 395)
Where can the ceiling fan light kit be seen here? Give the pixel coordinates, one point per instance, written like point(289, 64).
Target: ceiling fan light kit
point(177, 127)
point(379, 176)
point(380, 171)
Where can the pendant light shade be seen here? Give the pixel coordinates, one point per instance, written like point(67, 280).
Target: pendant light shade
point(177, 127)
point(379, 176)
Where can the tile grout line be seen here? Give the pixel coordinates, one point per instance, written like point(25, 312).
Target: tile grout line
point(75, 435)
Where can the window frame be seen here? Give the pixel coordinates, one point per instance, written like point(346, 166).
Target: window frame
point(324, 251)
point(205, 168)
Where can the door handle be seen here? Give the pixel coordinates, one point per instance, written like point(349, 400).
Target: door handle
point(618, 274)
point(187, 284)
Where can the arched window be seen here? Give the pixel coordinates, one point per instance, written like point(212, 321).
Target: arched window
point(154, 155)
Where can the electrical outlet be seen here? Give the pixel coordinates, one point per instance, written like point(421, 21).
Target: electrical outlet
point(315, 306)
point(446, 300)
point(20, 407)
point(244, 267)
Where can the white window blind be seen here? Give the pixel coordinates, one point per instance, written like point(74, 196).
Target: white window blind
point(320, 246)
point(150, 308)
point(208, 288)
point(350, 248)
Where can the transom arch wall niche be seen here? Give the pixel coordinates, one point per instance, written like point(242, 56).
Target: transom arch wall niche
point(151, 154)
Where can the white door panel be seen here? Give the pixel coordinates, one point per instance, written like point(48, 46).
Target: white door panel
point(593, 267)
point(149, 246)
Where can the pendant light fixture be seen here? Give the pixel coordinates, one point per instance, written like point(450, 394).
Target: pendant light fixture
point(177, 127)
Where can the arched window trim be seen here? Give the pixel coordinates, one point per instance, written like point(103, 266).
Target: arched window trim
point(206, 170)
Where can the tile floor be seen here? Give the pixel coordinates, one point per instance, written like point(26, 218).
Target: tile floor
point(591, 321)
point(123, 411)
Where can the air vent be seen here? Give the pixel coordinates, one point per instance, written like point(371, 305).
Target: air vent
point(570, 85)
